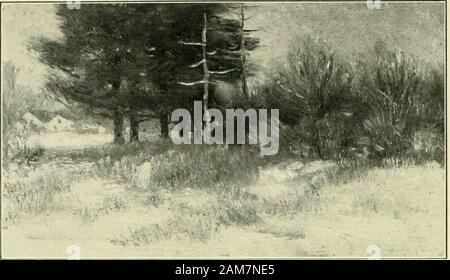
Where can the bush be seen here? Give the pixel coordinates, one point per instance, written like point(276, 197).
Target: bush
point(27, 154)
point(373, 108)
point(237, 212)
point(313, 91)
point(32, 194)
point(110, 204)
point(428, 145)
point(194, 223)
point(204, 167)
point(193, 166)
point(178, 228)
point(389, 85)
point(122, 163)
point(430, 104)
point(16, 101)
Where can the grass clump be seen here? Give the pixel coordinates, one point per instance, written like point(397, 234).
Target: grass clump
point(33, 194)
point(180, 227)
point(202, 167)
point(236, 212)
point(190, 166)
point(36, 195)
point(307, 202)
point(153, 199)
point(109, 205)
point(195, 223)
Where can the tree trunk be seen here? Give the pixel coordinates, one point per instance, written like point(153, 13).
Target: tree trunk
point(206, 79)
point(318, 143)
point(164, 123)
point(134, 128)
point(118, 127)
point(244, 85)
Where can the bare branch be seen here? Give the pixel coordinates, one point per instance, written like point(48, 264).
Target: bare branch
point(68, 71)
point(192, 44)
point(197, 64)
point(193, 83)
point(197, 83)
point(223, 72)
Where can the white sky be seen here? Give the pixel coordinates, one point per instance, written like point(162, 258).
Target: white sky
point(20, 22)
point(350, 28)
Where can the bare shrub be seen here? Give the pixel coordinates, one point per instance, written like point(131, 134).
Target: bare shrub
point(33, 194)
point(16, 101)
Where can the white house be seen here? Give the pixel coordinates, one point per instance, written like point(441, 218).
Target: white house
point(59, 123)
point(32, 121)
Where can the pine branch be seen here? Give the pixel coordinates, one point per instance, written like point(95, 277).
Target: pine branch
point(197, 83)
point(223, 72)
point(197, 64)
point(192, 44)
point(68, 71)
point(193, 83)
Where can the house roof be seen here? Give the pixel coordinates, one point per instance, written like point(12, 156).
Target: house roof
point(29, 117)
point(60, 119)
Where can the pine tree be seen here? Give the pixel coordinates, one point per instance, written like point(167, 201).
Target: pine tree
point(127, 59)
point(100, 58)
point(219, 49)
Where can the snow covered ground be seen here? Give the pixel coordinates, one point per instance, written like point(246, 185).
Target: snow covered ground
point(68, 140)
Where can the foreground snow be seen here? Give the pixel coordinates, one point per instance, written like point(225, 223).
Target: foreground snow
point(401, 211)
point(68, 140)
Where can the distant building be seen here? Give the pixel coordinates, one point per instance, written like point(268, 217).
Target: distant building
point(87, 128)
point(59, 123)
point(32, 121)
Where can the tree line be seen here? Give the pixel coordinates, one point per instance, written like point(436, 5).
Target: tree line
point(143, 61)
point(374, 106)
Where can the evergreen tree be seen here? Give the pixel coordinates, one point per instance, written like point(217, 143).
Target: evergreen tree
point(129, 59)
point(100, 57)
